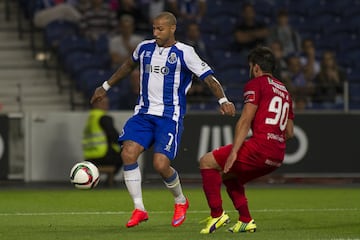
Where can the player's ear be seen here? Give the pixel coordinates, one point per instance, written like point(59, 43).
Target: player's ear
point(257, 70)
point(173, 28)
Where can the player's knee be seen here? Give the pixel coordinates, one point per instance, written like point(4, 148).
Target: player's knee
point(207, 161)
point(160, 167)
point(128, 156)
point(161, 164)
point(130, 152)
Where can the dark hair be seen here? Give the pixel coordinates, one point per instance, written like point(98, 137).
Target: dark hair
point(264, 57)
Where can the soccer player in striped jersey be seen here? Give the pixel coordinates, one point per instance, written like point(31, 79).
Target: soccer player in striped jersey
point(269, 114)
point(166, 69)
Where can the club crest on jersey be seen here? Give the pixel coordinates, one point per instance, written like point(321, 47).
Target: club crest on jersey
point(172, 58)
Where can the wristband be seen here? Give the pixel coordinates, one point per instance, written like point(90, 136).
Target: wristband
point(223, 100)
point(106, 86)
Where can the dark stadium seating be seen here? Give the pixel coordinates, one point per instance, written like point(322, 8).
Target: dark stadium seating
point(233, 76)
point(101, 45)
point(354, 91)
point(77, 62)
point(333, 25)
point(55, 31)
point(216, 8)
point(114, 95)
point(224, 24)
point(354, 76)
point(225, 59)
point(91, 78)
point(74, 43)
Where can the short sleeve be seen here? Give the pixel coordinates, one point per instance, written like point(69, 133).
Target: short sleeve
point(252, 93)
point(135, 55)
point(196, 65)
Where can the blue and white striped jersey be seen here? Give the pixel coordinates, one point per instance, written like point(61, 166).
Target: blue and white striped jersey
point(166, 76)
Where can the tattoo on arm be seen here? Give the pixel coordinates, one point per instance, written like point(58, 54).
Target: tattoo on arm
point(214, 86)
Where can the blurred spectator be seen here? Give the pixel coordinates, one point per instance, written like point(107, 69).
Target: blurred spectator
point(198, 91)
point(311, 65)
point(100, 145)
point(188, 10)
point(114, 4)
point(152, 8)
point(194, 39)
point(330, 81)
point(249, 32)
point(98, 20)
point(281, 65)
point(131, 7)
point(296, 82)
point(283, 32)
point(82, 5)
point(47, 11)
point(122, 44)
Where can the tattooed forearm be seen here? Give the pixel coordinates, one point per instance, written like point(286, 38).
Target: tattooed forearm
point(214, 86)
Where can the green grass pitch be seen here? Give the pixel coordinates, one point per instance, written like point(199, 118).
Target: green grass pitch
point(289, 212)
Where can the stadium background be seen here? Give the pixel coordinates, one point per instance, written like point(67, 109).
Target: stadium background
point(41, 117)
point(331, 131)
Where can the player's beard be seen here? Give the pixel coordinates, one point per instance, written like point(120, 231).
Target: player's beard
point(162, 42)
point(159, 42)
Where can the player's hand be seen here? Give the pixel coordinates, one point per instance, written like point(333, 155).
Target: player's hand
point(230, 161)
point(98, 94)
point(227, 108)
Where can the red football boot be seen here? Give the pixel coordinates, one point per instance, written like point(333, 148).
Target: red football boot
point(180, 213)
point(137, 217)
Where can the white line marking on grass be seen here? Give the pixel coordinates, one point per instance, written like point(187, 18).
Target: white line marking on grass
point(307, 210)
point(61, 213)
point(169, 212)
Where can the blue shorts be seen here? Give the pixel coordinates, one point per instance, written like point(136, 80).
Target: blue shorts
point(147, 130)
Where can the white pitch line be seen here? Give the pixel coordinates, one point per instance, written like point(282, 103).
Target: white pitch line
point(308, 210)
point(169, 212)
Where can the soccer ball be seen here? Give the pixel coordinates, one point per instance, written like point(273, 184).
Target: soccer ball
point(84, 175)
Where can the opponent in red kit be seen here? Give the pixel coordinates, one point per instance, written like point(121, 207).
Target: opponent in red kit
point(269, 114)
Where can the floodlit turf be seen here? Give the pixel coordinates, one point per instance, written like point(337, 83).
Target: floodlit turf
point(289, 212)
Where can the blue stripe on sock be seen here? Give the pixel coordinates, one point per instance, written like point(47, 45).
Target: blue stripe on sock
point(171, 178)
point(131, 166)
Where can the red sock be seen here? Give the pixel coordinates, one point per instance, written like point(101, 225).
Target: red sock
point(211, 179)
point(236, 192)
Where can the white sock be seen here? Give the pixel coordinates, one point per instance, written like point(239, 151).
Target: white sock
point(174, 185)
point(132, 177)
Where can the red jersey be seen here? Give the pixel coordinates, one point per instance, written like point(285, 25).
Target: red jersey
point(274, 109)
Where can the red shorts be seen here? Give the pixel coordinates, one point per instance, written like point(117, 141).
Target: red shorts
point(249, 164)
